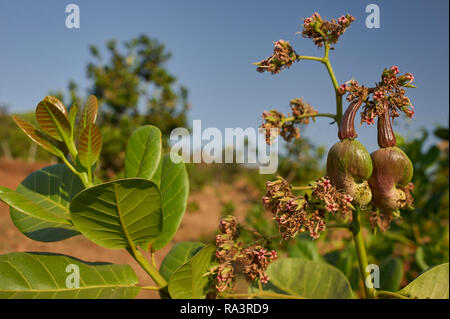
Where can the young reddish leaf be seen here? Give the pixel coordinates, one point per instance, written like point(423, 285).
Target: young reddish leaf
point(89, 114)
point(52, 120)
point(53, 146)
point(53, 100)
point(89, 145)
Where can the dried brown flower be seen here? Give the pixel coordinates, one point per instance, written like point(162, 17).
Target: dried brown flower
point(284, 126)
point(391, 88)
point(283, 56)
point(256, 260)
point(301, 110)
point(320, 30)
point(228, 252)
point(298, 214)
point(381, 220)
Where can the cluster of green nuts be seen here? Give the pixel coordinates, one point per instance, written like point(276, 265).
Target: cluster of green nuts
point(381, 178)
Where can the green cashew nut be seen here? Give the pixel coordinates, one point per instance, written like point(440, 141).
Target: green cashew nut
point(349, 165)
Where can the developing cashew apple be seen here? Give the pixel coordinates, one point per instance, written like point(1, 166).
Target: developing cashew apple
point(392, 169)
point(349, 165)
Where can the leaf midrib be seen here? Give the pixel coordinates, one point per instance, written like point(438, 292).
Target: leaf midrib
point(122, 222)
point(71, 289)
point(147, 146)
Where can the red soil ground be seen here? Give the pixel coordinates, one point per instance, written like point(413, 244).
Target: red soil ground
point(196, 226)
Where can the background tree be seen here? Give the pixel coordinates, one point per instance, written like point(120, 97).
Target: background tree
point(134, 88)
point(135, 78)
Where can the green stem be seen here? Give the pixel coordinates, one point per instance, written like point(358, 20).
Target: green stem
point(292, 118)
point(325, 60)
point(361, 252)
point(82, 177)
point(327, 63)
point(89, 174)
point(72, 149)
point(149, 268)
point(314, 58)
point(301, 188)
point(390, 295)
point(154, 288)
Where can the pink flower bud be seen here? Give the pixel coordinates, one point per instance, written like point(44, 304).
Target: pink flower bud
point(274, 254)
point(306, 22)
point(348, 198)
point(332, 207)
point(395, 69)
point(369, 120)
point(343, 20)
point(378, 95)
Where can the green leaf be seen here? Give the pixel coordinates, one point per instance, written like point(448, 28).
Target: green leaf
point(53, 146)
point(89, 145)
point(40, 204)
point(346, 261)
point(391, 274)
point(90, 111)
point(421, 258)
point(306, 279)
point(29, 207)
point(432, 284)
point(175, 190)
point(304, 248)
point(177, 256)
point(119, 214)
point(46, 276)
point(157, 175)
point(72, 118)
point(190, 281)
point(143, 152)
point(53, 121)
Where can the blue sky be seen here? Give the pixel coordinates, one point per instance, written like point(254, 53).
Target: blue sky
point(214, 44)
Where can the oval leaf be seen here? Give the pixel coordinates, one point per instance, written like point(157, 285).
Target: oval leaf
point(119, 214)
point(45, 276)
point(177, 256)
point(189, 280)
point(175, 190)
point(90, 111)
point(143, 152)
point(304, 248)
point(29, 207)
point(56, 102)
point(53, 121)
point(54, 147)
point(433, 284)
point(306, 279)
point(40, 205)
point(391, 273)
point(89, 145)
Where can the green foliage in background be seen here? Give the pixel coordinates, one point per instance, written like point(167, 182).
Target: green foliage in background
point(134, 88)
point(14, 144)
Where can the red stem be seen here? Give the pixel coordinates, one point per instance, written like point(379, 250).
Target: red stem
point(386, 136)
point(347, 127)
